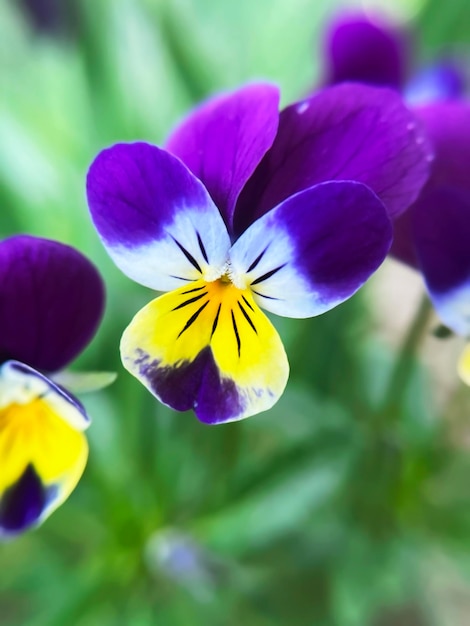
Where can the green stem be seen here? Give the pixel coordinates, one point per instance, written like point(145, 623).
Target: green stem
point(404, 363)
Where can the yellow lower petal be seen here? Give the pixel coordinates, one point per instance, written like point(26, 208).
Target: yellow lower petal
point(32, 434)
point(463, 366)
point(207, 346)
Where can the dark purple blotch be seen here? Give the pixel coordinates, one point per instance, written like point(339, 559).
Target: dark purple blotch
point(22, 504)
point(196, 385)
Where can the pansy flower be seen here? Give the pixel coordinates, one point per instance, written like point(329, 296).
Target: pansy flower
point(433, 236)
point(249, 209)
point(51, 301)
point(376, 52)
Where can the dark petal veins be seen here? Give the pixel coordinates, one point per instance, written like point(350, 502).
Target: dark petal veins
point(193, 318)
point(237, 335)
point(216, 320)
point(247, 317)
point(190, 301)
point(188, 255)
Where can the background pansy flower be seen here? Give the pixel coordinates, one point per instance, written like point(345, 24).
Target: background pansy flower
point(249, 209)
point(433, 236)
point(374, 51)
point(51, 301)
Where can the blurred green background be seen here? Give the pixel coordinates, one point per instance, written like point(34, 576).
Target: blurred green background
point(347, 504)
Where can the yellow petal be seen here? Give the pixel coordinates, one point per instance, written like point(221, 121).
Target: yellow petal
point(209, 347)
point(463, 366)
point(35, 439)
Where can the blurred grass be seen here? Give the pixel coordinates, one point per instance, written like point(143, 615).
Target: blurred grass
point(321, 511)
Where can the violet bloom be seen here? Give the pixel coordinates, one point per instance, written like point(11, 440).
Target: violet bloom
point(249, 209)
point(434, 234)
point(376, 52)
point(51, 303)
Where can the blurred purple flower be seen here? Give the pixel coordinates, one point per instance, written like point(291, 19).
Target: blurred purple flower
point(434, 234)
point(249, 208)
point(51, 301)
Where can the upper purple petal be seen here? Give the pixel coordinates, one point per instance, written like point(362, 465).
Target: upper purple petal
point(223, 141)
point(441, 216)
point(51, 302)
point(345, 132)
point(155, 218)
point(358, 49)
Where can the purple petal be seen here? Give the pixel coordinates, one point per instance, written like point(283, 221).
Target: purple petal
point(403, 246)
point(441, 216)
point(358, 49)
point(448, 126)
point(223, 141)
point(155, 218)
point(52, 300)
point(346, 132)
point(442, 238)
point(314, 250)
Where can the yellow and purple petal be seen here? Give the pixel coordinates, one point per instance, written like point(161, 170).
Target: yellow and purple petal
point(155, 218)
point(52, 300)
point(43, 450)
point(314, 250)
point(224, 139)
point(345, 132)
point(207, 347)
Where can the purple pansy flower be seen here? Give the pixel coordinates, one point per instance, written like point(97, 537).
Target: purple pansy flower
point(434, 234)
point(51, 301)
point(248, 209)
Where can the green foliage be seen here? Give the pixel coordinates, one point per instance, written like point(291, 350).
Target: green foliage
point(328, 509)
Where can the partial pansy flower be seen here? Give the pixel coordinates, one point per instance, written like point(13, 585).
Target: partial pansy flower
point(51, 301)
point(249, 209)
point(433, 236)
point(373, 51)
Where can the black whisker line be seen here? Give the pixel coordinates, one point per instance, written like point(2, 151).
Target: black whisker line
point(190, 301)
point(188, 255)
point(235, 330)
point(257, 260)
point(216, 321)
point(195, 289)
point(267, 275)
point(201, 247)
point(248, 304)
point(247, 317)
point(193, 318)
point(263, 296)
point(188, 280)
